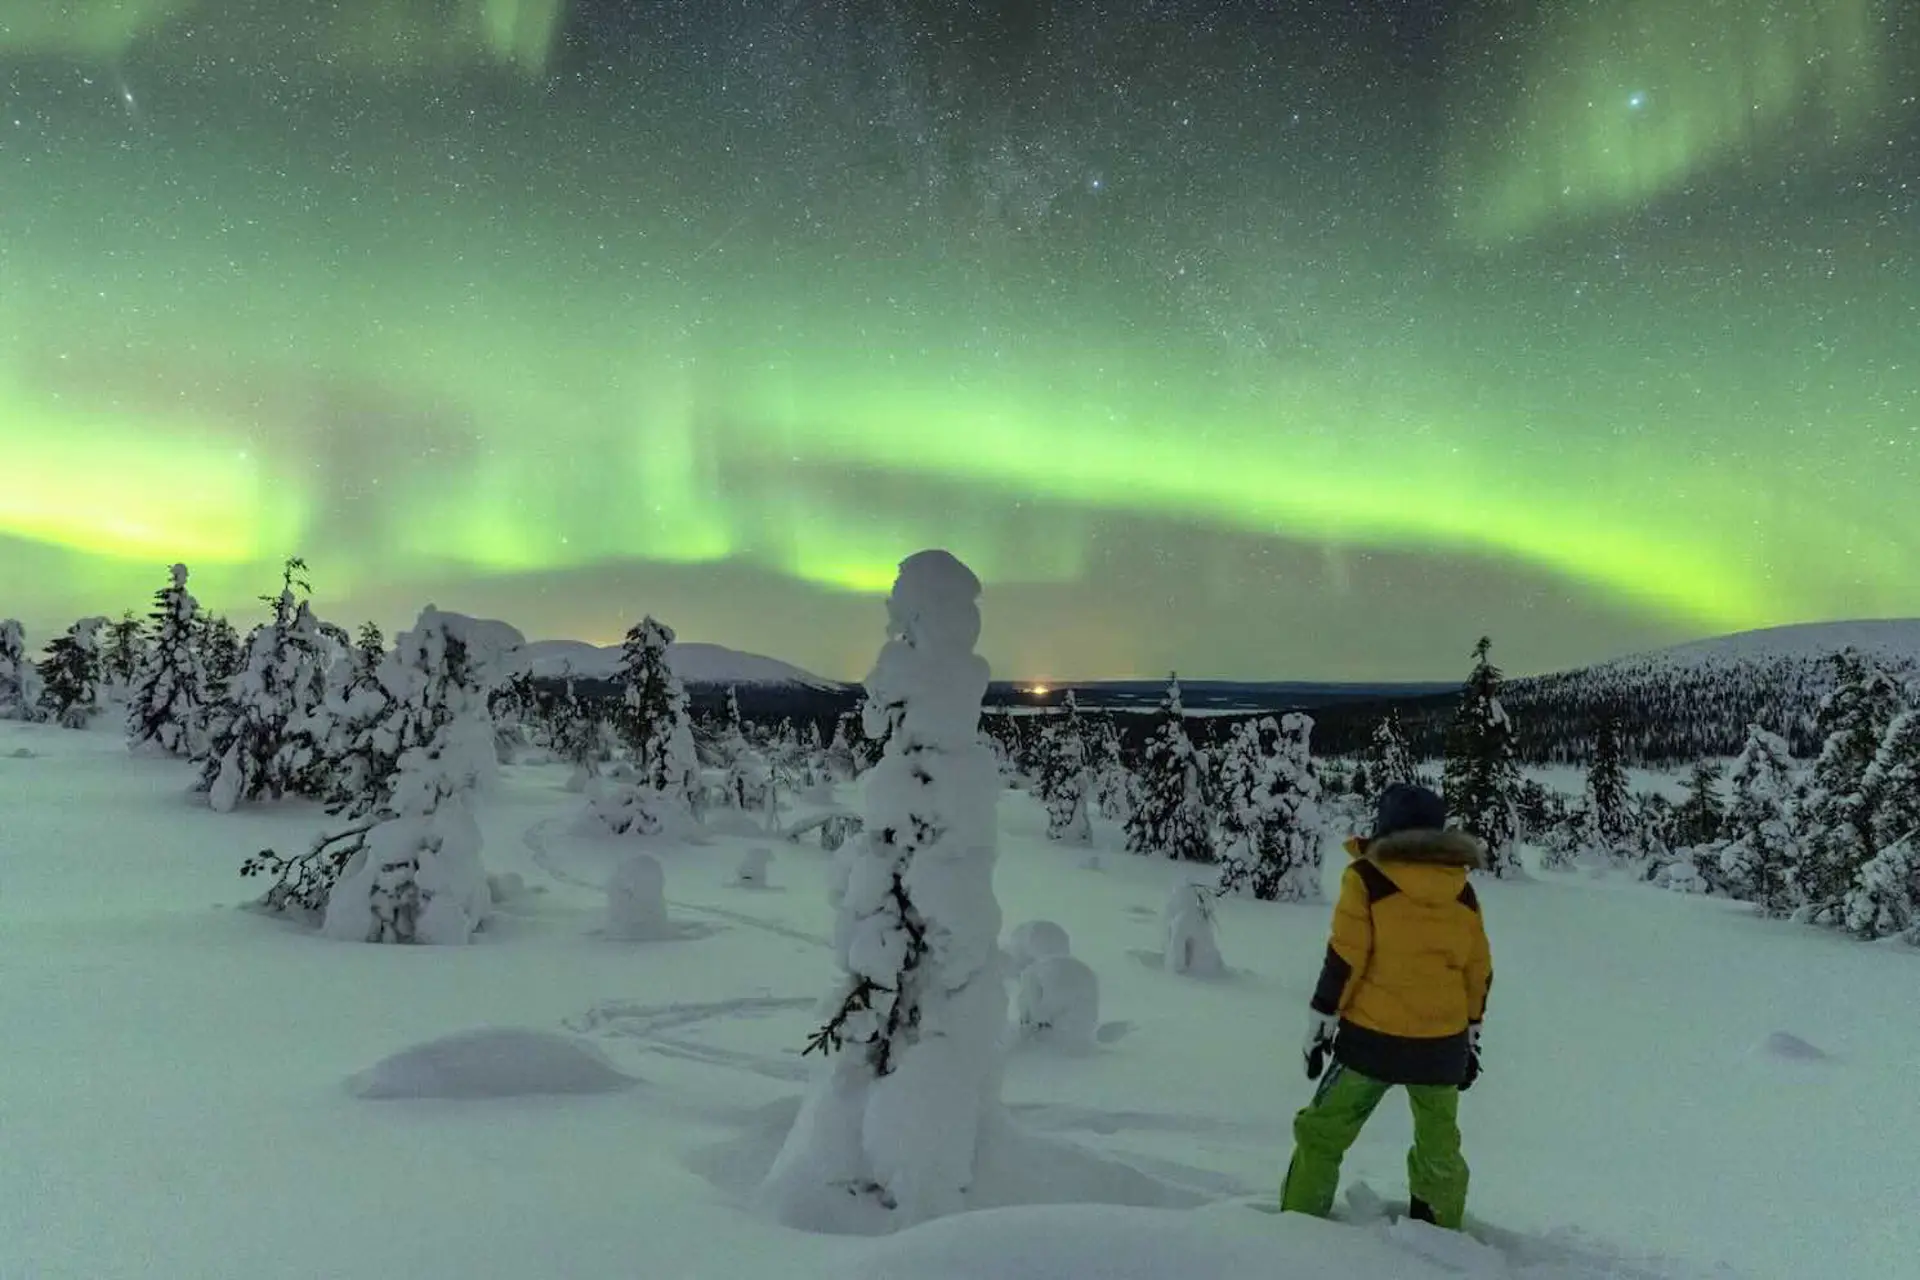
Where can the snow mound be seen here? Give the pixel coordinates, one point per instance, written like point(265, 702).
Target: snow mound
point(637, 900)
point(1058, 1003)
point(501, 1062)
point(752, 871)
point(1784, 1044)
point(1034, 940)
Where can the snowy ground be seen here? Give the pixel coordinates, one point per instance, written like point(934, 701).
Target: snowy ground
point(176, 1101)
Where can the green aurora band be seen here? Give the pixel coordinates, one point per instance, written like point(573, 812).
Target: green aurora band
point(452, 342)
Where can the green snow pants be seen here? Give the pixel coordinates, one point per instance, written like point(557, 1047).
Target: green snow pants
point(1327, 1126)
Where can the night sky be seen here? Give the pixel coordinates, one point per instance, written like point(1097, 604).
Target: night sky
point(1262, 340)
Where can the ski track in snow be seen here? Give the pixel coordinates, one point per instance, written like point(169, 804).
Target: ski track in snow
point(651, 1023)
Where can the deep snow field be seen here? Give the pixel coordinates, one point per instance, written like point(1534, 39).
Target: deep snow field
point(1673, 1088)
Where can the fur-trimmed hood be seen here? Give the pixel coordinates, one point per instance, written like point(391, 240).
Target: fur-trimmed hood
point(1422, 845)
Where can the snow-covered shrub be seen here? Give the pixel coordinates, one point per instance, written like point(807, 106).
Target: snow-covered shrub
point(1270, 825)
point(1168, 812)
point(889, 1132)
point(1682, 875)
point(752, 871)
point(167, 709)
point(72, 675)
point(1058, 1002)
point(19, 683)
point(637, 900)
point(1188, 923)
point(1033, 940)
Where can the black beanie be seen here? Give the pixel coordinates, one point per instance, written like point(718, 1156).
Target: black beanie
point(1405, 807)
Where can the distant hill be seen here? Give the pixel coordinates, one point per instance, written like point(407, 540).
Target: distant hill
point(1678, 704)
point(695, 664)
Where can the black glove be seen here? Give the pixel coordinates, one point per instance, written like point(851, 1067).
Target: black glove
point(1321, 1030)
point(1473, 1057)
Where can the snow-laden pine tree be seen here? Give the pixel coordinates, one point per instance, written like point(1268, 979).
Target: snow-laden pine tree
point(1482, 781)
point(167, 711)
point(1169, 815)
point(1883, 900)
point(124, 650)
point(19, 682)
point(1894, 777)
point(890, 1131)
point(353, 749)
point(1112, 781)
point(1756, 854)
point(1697, 820)
point(269, 736)
point(1388, 759)
point(653, 725)
point(1270, 824)
point(748, 773)
point(406, 867)
point(653, 721)
point(220, 651)
point(1065, 784)
point(72, 675)
point(1837, 832)
point(1607, 805)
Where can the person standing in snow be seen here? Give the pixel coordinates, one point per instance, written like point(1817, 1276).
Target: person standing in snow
point(1399, 1002)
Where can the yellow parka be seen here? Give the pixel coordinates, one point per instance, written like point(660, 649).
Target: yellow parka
point(1408, 966)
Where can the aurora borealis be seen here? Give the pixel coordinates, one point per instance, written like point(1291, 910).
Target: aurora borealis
point(1303, 347)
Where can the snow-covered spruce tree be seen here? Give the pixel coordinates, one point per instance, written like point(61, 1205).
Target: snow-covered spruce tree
point(71, 675)
point(1756, 853)
point(124, 651)
point(1894, 777)
point(19, 682)
point(1607, 804)
point(354, 753)
point(653, 726)
point(576, 732)
point(1270, 819)
point(1388, 758)
point(167, 711)
point(1883, 900)
point(406, 867)
point(1112, 782)
point(1837, 832)
point(1697, 820)
point(748, 773)
point(652, 721)
point(839, 753)
point(268, 733)
point(1169, 815)
point(1482, 782)
point(220, 651)
point(889, 1132)
point(1065, 784)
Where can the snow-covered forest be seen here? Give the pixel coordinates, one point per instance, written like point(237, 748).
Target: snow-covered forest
point(904, 988)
